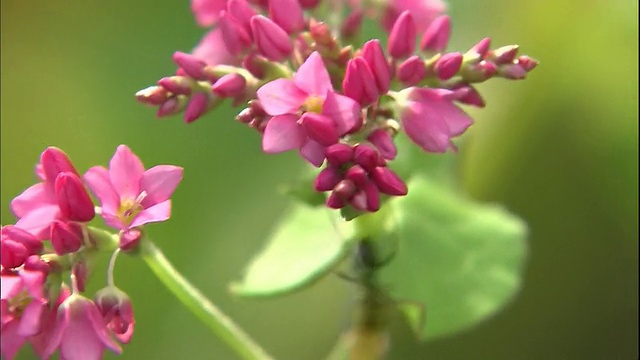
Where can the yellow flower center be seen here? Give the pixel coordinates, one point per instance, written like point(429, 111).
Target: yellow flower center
point(314, 104)
point(129, 208)
point(18, 303)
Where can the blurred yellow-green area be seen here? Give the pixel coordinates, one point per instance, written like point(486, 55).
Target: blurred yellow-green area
point(560, 149)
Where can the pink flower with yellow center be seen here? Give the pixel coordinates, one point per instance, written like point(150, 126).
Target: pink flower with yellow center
point(129, 195)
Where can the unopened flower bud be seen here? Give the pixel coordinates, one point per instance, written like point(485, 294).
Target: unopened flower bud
point(287, 14)
point(115, 307)
point(384, 143)
point(365, 156)
point(180, 85)
point(30, 242)
point(338, 154)
point(402, 39)
point(448, 65)
point(373, 196)
point(481, 48)
point(352, 24)
point(35, 263)
point(388, 182)
point(235, 37)
point(357, 175)
point(503, 55)
point(130, 239)
point(191, 65)
point(327, 179)
point(321, 34)
point(467, 94)
point(242, 12)
point(196, 108)
point(54, 161)
point(73, 200)
point(436, 37)
point(345, 189)
point(172, 106)
point(527, 63)
point(66, 237)
point(320, 128)
point(230, 85)
point(374, 56)
point(359, 83)
point(512, 71)
point(12, 254)
point(153, 95)
point(270, 39)
point(411, 71)
point(334, 201)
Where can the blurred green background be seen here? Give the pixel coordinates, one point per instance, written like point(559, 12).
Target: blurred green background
point(560, 149)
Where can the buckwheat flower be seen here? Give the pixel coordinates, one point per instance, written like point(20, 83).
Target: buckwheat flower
point(430, 118)
point(289, 101)
point(80, 332)
point(207, 12)
point(129, 195)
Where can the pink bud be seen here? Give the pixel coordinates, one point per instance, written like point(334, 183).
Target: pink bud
point(66, 237)
point(345, 189)
point(359, 200)
point(412, 71)
point(388, 182)
point(527, 63)
point(402, 39)
point(35, 263)
point(115, 307)
point(172, 106)
point(54, 161)
point(334, 201)
point(352, 24)
point(153, 95)
point(242, 13)
point(374, 56)
point(191, 65)
point(196, 108)
point(30, 242)
point(130, 239)
point(12, 254)
point(365, 156)
point(287, 14)
point(479, 72)
point(338, 154)
point(373, 196)
point(235, 37)
point(504, 54)
point(447, 65)
point(467, 94)
point(79, 271)
point(327, 179)
point(180, 85)
point(436, 37)
point(230, 85)
point(512, 71)
point(384, 142)
point(482, 47)
point(320, 128)
point(254, 63)
point(357, 175)
point(359, 83)
point(270, 39)
point(73, 200)
point(321, 33)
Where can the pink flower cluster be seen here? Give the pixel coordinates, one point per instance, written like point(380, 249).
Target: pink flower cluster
point(307, 88)
point(36, 304)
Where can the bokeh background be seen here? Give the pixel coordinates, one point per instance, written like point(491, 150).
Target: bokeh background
point(560, 149)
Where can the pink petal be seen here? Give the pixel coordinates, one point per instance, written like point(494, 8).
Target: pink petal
point(313, 77)
point(100, 328)
point(125, 172)
point(10, 340)
point(30, 319)
point(280, 97)
point(313, 152)
point(207, 12)
point(282, 133)
point(37, 222)
point(32, 198)
point(159, 183)
point(58, 331)
point(10, 286)
point(441, 101)
point(212, 50)
point(98, 180)
point(33, 280)
point(426, 127)
point(343, 110)
point(156, 213)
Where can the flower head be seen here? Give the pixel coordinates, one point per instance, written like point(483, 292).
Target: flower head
point(129, 195)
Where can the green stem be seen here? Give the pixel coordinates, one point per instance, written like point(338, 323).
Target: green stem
point(199, 305)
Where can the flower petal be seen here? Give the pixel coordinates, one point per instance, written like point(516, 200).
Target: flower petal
point(30, 319)
point(10, 286)
point(10, 340)
point(159, 183)
point(280, 97)
point(441, 102)
point(313, 152)
point(343, 110)
point(32, 198)
point(37, 222)
point(125, 172)
point(212, 50)
point(207, 12)
point(282, 133)
point(156, 213)
point(312, 76)
point(98, 180)
point(427, 128)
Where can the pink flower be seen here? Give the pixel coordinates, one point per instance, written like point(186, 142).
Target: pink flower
point(207, 12)
point(213, 51)
point(129, 195)
point(422, 11)
point(430, 118)
point(311, 92)
point(60, 195)
point(80, 332)
point(115, 307)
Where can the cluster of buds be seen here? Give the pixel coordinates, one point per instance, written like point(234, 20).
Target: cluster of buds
point(307, 88)
point(37, 305)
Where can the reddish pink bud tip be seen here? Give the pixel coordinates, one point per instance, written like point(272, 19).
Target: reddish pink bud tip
point(153, 95)
point(447, 65)
point(287, 14)
point(345, 189)
point(270, 39)
point(191, 65)
point(374, 56)
point(436, 37)
point(365, 156)
point(177, 84)
point(338, 154)
point(327, 179)
point(402, 39)
point(482, 47)
point(73, 200)
point(320, 128)
point(373, 196)
point(384, 142)
point(388, 182)
point(54, 161)
point(196, 108)
point(230, 85)
point(357, 175)
point(12, 254)
point(359, 82)
point(527, 63)
point(412, 71)
point(66, 237)
point(335, 202)
point(130, 239)
point(504, 54)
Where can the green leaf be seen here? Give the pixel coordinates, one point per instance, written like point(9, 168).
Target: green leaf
point(307, 244)
point(462, 260)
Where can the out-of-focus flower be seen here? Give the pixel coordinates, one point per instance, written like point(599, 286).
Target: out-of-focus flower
point(117, 312)
point(129, 195)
